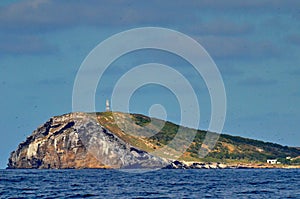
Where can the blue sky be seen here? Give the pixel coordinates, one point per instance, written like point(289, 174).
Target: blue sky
point(256, 46)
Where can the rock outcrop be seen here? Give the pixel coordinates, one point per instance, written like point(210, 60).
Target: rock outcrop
point(197, 165)
point(77, 140)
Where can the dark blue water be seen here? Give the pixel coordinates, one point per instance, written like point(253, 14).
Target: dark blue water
point(243, 183)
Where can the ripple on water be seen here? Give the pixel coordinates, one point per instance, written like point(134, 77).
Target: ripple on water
point(159, 184)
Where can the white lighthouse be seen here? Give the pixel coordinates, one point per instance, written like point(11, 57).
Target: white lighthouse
point(107, 108)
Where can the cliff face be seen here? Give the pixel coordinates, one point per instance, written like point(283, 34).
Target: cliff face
point(77, 140)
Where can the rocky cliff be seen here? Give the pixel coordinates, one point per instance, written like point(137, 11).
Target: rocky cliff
point(77, 140)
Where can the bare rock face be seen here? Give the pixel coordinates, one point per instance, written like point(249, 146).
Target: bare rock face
point(77, 140)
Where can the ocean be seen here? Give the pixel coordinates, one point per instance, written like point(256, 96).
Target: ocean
point(97, 183)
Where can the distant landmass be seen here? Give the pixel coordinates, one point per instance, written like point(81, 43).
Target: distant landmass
point(122, 140)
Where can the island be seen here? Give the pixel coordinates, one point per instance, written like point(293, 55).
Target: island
point(115, 140)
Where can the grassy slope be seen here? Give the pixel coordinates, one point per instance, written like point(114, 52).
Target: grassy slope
point(137, 130)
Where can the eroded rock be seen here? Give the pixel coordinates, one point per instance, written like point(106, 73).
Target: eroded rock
point(76, 140)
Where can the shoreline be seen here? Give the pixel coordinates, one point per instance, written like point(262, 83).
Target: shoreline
point(216, 165)
point(183, 165)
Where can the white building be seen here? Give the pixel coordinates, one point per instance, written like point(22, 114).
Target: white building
point(272, 161)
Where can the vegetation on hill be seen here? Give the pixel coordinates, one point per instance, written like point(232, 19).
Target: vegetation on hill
point(150, 134)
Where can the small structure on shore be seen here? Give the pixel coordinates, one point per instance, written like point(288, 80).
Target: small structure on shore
point(272, 161)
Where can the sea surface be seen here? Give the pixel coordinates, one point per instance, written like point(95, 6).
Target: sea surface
point(97, 183)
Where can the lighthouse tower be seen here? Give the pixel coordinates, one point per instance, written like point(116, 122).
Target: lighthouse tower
point(107, 108)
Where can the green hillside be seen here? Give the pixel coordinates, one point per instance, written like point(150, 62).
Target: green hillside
point(150, 134)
